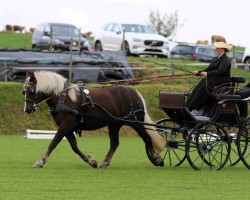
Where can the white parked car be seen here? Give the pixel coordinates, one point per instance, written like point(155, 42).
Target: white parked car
point(139, 39)
point(246, 58)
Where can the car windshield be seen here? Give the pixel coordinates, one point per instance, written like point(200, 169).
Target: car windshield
point(136, 28)
point(65, 31)
point(183, 48)
point(207, 51)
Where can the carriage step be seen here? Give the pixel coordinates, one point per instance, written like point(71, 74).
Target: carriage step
point(202, 118)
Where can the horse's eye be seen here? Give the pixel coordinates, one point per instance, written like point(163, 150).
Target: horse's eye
point(31, 90)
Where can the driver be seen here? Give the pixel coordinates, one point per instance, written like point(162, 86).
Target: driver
point(216, 73)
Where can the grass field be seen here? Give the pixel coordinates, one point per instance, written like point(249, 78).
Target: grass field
point(130, 176)
point(15, 40)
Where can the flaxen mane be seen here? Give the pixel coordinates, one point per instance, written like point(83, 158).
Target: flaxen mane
point(50, 82)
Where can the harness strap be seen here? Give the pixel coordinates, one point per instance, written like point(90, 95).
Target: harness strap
point(60, 106)
point(86, 98)
point(132, 111)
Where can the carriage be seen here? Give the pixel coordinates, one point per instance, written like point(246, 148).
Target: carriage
point(213, 137)
point(209, 139)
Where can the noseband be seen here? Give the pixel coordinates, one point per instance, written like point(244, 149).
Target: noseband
point(30, 89)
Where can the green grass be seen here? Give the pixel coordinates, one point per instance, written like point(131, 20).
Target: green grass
point(15, 40)
point(130, 175)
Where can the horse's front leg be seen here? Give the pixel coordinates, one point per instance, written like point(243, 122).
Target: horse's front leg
point(114, 143)
point(55, 141)
point(154, 157)
point(73, 143)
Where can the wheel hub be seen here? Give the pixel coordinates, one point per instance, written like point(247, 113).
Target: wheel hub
point(172, 144)
point(205, 148)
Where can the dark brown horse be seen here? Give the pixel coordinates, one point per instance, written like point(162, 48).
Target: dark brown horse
point(75, 108)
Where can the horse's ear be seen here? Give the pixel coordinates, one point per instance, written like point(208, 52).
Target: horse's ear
point(29, 74)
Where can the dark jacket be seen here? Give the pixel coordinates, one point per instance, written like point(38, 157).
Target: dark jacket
point(218, 71)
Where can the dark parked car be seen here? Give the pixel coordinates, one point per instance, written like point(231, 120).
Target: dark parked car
point(58, 35)
point(88, 67)
point(203, 53)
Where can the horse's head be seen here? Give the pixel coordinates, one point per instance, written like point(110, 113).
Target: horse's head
point(43, 86)
point(29, 91)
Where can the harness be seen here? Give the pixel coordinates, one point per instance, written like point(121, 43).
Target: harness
point(61, 107)
point(132, 112)
point(87, 103)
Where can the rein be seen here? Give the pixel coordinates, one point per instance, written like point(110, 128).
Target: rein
point(130, 80)
point(144, 80)
point(209, 88)
point(213, 88)
point(43, 101)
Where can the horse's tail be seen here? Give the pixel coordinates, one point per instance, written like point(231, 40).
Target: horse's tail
point(157, 140)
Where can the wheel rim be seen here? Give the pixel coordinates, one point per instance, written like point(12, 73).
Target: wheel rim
point(208, 147)
point(244, 142)
point(232, 133)
point(174, 153)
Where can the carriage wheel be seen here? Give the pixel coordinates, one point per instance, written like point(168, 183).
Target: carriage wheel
point(244, 142)
point(232, 133)
point(175, 141)
point(208, 146)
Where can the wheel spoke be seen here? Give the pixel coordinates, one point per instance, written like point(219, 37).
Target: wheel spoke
point(244, 142)
point(207, 145)
point(175, 142)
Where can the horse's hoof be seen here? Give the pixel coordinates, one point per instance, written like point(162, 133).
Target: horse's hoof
point(37, 165)
point(94, 164)
point(102, 166)
point(162, 164)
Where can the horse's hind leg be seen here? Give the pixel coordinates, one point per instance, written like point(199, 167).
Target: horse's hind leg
point(114, 143)
point(73, 143)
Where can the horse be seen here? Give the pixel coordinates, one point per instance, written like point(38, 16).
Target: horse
point(75, 108)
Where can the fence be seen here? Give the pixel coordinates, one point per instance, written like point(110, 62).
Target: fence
point(39, 134)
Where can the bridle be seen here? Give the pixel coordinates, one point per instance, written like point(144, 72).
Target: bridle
point(30, 89)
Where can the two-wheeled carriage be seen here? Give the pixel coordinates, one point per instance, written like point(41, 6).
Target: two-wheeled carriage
point(211, 138)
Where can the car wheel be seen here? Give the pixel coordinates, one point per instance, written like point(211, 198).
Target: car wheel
point(98, 46)
point(128, 53)
point(247, 62)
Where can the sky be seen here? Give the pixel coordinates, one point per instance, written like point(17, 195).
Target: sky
point(198, 19)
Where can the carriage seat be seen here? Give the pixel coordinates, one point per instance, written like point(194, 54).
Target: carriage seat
point(227, 97)
point(238, 79)
point(240, 94)
point(223, 91)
